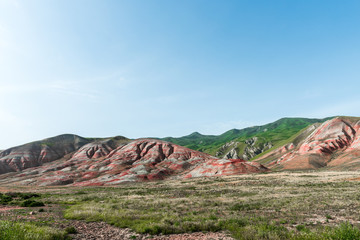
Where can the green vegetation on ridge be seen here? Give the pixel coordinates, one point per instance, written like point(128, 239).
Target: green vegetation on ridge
point(274, 133)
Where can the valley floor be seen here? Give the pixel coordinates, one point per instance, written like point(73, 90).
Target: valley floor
point(284, 205)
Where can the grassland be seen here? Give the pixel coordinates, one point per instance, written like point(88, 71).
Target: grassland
point(10, 230)
point(287, 205)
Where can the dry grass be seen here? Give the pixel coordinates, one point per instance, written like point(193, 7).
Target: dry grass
point(297, 205)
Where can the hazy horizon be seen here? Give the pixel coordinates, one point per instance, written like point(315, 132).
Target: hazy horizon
point(169, 68)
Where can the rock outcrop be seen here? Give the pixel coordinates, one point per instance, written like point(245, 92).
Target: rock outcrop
point(232, 154)
point(252, 148)
point(221, 167)
point(228, 150)
point(95, 150)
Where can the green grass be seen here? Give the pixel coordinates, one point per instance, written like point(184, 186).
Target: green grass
point(344, 231)
point(27, 231)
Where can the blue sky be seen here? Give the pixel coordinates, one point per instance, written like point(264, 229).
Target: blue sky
point(168, 68)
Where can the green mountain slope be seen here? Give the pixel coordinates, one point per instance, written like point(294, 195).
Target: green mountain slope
point(248, 142)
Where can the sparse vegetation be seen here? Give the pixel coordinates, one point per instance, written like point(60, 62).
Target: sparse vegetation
point(258, 206)
point(284, 205)
point(28, 231)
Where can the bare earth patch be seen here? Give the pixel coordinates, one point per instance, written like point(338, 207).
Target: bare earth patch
point(195, 236)
point(100, 230)
point(8, 208)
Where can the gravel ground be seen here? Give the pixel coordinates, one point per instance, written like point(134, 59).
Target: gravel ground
point(100, 230)
point(103, 231)
point(195, 236)
point(8, 208)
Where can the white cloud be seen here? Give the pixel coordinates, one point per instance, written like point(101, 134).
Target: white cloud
point(14, 130)
point(72, 88)
point(4, 37)
point(63, 88)
point(313, 94)
point(9, 89)
point(351, 107)
point(221, 127)
point(87, 87)
point(13, 3)
point(8, 44)
point(10, 119)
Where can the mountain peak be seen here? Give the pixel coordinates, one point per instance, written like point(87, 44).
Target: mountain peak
point(195, 134)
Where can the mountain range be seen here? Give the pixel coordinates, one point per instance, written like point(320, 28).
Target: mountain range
point(286, 144)
point(248, 142)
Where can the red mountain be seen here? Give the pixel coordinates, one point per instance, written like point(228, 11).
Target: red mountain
point(37, 153)
point(335, 144)
point(110, 161)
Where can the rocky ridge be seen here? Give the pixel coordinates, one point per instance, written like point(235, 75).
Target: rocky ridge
point(225, 167)
point(70, 159)
point(108, 162)
point(333, 144)
point(37, 153)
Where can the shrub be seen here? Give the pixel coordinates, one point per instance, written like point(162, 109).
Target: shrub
point(300, 228)
point(328, 217)
point(31, 203)
point(245, 206)
point(71, 230)
point(22, 195)
point(5, 199)
point(345, 231)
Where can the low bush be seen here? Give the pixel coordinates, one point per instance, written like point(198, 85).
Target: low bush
point(31, 203)
point(71, 230)
point(15, 198)
point(5, 199)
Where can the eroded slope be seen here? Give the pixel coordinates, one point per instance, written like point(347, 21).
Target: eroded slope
point(333, 144)
point(104, 162)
